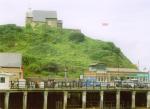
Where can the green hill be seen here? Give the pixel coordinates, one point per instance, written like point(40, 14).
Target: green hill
point(47, 51)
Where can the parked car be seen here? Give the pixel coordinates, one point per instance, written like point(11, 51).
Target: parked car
point(90, 82)
point(124, 83)
point(118, 83)
point(141, 85)
point(105, 84)
point(127, 84)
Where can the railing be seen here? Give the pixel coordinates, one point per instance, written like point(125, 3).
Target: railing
point(76, 84)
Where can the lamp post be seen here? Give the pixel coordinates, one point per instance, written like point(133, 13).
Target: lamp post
point(65, 75)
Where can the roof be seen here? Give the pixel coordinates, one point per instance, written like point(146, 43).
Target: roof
point(122, 70)
point(41, 16)
point(10, 60)
point(94, 64)
point(6, 74)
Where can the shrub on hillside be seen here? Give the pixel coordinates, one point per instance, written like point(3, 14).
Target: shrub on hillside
point(28, 59)
point(51, 67)
point(77, 37)
point(35, 68)
point(10, 28)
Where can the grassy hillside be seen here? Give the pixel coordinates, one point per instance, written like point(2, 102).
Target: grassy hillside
point(48, 52)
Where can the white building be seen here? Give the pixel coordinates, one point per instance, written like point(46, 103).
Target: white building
point(5, 80)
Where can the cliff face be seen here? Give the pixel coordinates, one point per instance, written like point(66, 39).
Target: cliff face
point(48, 51)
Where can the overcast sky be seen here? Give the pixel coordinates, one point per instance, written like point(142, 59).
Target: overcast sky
point(128, 21)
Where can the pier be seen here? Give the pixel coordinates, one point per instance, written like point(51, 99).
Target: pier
point(74, 96)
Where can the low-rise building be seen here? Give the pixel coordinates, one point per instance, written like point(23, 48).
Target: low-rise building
point(40, 17)
point(103, 73)
point(11, 63)
point(5, 80)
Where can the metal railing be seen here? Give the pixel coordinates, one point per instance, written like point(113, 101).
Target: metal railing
point(75, 85)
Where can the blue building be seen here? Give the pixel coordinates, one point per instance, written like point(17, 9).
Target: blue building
point(106, 74)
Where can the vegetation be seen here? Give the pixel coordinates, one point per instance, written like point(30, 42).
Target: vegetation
point(49, 51)
point(77, 37)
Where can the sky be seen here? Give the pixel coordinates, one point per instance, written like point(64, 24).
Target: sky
point(128, 21)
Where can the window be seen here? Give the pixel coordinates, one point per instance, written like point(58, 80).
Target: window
point(2, 79)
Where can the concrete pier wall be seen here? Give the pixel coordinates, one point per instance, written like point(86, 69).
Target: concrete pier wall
point(75, 99)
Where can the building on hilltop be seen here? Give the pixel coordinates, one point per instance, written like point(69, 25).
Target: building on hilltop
point(11, 64)
point(105, 74)
point(39, 17)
